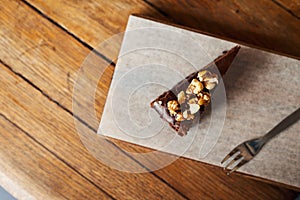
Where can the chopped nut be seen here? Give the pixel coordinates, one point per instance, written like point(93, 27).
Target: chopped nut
point(211, 81)
point(202, 102)
point(187, 116)
point(209, 85)
point(179, 117)
point(200, 95)
point(181, 97)
point(160, 102)
point(204, 99)
point(173, 107)
point(206, 96)
point(202, 74)
point(194, 87)
point(194, 108)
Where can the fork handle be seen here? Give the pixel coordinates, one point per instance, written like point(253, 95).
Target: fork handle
point(288, 121)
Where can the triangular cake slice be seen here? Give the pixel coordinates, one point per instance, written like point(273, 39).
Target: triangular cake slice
point(183, 105)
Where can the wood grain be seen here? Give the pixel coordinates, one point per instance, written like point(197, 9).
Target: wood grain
point(43, 53)
point(267, 27)
point(52, 127)
point(48, 57)
point(94, 21)
point(200, 180)
point(291, 6)
point(34, 171)
point(264, 24)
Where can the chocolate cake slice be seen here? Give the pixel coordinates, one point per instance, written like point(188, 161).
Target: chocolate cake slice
point(183, 105)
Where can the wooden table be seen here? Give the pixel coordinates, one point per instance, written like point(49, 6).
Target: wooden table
point(43, 44)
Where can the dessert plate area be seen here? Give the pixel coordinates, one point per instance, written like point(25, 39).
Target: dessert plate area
point(257, 92)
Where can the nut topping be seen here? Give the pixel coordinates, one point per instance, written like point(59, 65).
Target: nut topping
point(211, 81)
point(185, 114)
point(209, 85)
point(206, 96)
point(194, 108)
point(195, 87)
point(203, 74)
point(179, 117)
point(204, 99)
point(190, 101)
point(181, 97)
point(173, 107)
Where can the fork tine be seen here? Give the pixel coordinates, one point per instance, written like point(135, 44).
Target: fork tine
point(229, 155)
point(237, 166)
point(233, 161)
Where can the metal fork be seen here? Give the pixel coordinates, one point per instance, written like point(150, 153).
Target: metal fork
point(244, 152)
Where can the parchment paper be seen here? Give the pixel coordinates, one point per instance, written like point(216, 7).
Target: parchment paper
point(261, 88)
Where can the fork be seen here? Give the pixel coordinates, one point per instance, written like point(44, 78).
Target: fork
point(245, 151)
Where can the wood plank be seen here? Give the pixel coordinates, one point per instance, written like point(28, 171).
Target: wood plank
point(42, 52)
point(50, 60)
point(32, 171)
point(93, 21)
point(265, 24)
point(291, 6)
point(271, 26)
point(53, 127)
point(200, 180)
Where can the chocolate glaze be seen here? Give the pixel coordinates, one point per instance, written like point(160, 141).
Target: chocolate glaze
point(222, 62)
